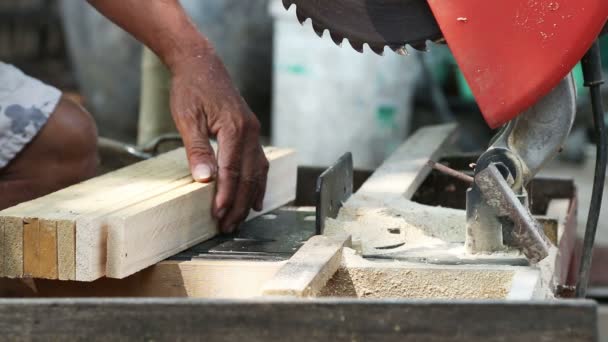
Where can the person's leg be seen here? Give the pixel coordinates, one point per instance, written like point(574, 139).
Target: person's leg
point(64, 152)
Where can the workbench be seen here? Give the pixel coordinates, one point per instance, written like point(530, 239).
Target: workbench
point(213, 293)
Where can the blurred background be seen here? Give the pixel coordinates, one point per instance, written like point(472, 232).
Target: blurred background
point(308, 93)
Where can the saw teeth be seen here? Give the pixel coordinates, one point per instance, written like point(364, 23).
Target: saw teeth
point(318, 29)
point(336, 38)
point(420, 46)
point(400, 50)
point(301, 17)
point(358, 46)
point(287, 4)
point(379, 50)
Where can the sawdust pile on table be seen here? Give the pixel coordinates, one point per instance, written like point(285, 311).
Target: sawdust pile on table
point(418, 283)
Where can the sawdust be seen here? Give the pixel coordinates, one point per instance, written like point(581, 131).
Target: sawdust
point(418, 283)
point(392, 226)
point(362, 278)
point(377, 225)
point(430, 242)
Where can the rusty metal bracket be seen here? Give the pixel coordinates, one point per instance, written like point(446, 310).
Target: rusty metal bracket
point(526, 234)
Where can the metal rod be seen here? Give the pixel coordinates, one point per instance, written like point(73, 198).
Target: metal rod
point(451, 172)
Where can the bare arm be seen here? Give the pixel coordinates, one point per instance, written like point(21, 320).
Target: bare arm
point(162, 25)
point(204, 103)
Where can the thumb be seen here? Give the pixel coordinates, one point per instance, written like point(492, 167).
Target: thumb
point(203, 164)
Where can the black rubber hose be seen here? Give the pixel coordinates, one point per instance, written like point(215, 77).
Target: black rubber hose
point(592, 70)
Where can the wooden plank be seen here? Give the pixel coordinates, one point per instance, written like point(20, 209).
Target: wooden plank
point(13, 251)
point(405, 170)
point(66, 250)
point(47, 267)
point(155, 229)
point(297, 320)
point(91, 234)
point(91, 230)
point(87, 204)
point(90, 196)
point(76, 199)
point(40, 248)
point(150, 231)
point(12, 222)
point(307, 272)
point(31, 247)
point(141, 181)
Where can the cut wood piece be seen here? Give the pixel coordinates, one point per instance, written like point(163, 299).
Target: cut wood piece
point(307, 272)
point(404, 171)
point(150, 231)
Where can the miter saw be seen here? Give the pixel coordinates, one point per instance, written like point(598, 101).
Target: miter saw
point(516, 56)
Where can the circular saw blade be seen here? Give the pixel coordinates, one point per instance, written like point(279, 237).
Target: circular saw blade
point(377, 23)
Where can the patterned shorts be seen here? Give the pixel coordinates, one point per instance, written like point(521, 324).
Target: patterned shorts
point(25, 106)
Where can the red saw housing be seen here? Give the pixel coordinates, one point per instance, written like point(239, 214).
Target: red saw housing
point(513, 52)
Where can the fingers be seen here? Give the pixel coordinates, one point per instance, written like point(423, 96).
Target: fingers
point(258, 203)
point(241, 175)
point(230, 151)
point(249, 190)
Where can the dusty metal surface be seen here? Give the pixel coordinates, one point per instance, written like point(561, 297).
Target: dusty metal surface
point(274, 236)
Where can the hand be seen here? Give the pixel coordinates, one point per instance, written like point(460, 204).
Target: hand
point(204, 104)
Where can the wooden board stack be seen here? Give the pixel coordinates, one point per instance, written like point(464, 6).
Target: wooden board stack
point(122, 222)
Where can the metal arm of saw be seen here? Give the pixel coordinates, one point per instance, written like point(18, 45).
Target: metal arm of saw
point(537, 135)
point(519, 151)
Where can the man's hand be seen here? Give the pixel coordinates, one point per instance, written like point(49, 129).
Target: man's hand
point(204, 104)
